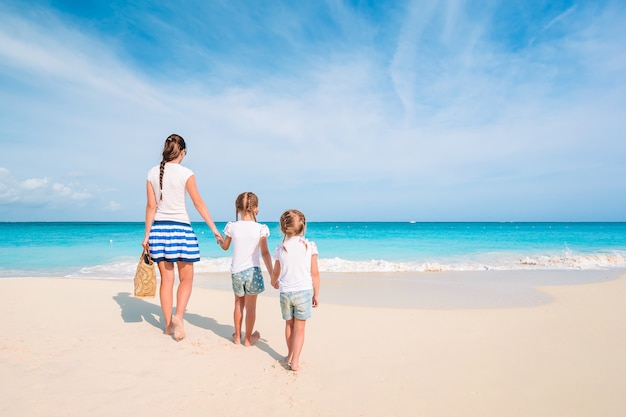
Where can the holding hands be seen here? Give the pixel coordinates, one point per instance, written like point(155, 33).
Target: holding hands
point(219, 239)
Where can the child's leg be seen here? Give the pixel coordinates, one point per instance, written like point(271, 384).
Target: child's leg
point(238, 319)
point(297, 341)
point(288, 335)
point(251, 335)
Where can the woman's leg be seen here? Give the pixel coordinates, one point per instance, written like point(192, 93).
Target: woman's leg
point(166, 293)
point(185, 274)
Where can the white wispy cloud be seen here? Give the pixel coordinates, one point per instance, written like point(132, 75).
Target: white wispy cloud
point(34, 183)
point(113, 206)
point(425, 100)
point(37, 191)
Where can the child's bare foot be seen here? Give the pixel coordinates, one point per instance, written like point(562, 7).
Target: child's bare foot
point(253, 338)
point(294, 366)
point(237, 339)
point(179, 329)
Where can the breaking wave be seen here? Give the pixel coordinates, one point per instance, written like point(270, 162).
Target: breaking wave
point(564, 261)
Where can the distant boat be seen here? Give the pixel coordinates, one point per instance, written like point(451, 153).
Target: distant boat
point(412, 222)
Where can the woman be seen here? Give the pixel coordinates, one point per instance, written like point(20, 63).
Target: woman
point(169, 235)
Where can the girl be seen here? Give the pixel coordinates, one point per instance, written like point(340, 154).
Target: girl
point(249, 239)
point(169, 235)
point(297, 277)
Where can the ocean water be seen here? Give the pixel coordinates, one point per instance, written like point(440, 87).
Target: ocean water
point(111, 250)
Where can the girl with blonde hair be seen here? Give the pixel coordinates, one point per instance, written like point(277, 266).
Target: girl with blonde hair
point(249, 240)
point(297, 277)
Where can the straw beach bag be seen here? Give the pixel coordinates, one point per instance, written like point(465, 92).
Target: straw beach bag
point(145, 276)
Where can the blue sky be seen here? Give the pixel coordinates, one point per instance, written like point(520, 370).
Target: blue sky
point(347, 110)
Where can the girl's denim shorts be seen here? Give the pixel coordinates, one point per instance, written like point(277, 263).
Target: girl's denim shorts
point(298, 304)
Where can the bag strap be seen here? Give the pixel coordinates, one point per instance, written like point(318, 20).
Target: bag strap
point(145, 256)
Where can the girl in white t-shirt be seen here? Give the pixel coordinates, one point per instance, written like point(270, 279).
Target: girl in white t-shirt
point(249, 240)
point(297, 277)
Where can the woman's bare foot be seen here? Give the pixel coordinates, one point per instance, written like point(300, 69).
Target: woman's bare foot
point(179, 329)
point(294, 366)
point(237, 339)
point(169, 329)
point(253, 338)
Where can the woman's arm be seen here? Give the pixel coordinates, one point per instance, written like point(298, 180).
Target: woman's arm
point(151, 205)
point(202, 209)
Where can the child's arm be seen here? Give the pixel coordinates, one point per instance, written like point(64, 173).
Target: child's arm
point(275, 274)
point(315, 274)
point(265, 253)
point(225, 244)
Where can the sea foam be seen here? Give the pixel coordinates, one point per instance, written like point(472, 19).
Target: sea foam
point(566, 261)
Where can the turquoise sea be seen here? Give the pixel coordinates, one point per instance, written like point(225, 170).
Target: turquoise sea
point(111, 250)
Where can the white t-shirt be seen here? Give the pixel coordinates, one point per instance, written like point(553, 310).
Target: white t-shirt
point(173, 206)
point(245, 236)
point(295, 264)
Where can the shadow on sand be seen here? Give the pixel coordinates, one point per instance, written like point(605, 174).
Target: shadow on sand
point(226, 332)
point(135, 310)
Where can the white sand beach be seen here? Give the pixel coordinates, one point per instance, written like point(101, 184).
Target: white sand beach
point(433, 345)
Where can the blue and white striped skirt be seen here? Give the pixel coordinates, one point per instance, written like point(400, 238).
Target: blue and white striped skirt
point(173, 242)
